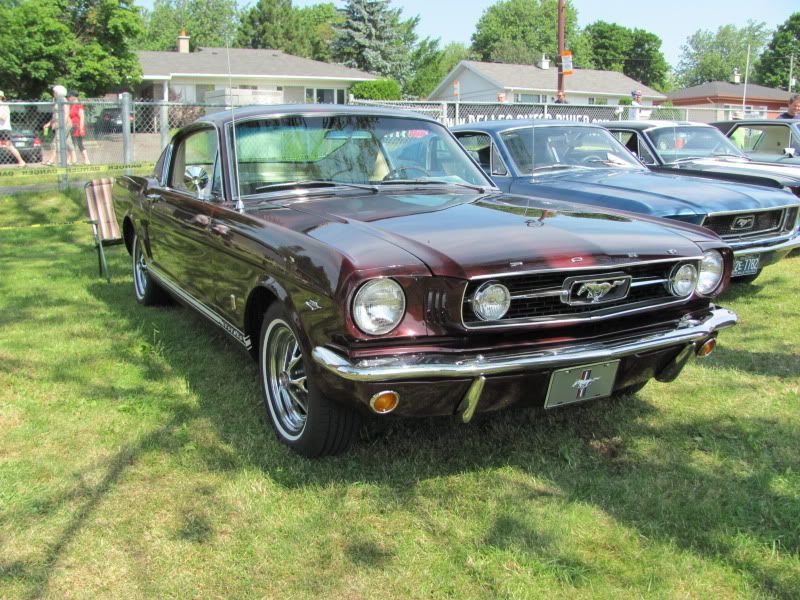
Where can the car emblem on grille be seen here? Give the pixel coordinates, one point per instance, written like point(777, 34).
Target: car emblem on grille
point(743, 223)
point(595, 289)
point(582, 385)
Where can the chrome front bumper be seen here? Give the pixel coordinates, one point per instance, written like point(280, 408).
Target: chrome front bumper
point(420, 366)
point(769, 254)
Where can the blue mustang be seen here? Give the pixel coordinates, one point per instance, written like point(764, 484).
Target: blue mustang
point(585, 163)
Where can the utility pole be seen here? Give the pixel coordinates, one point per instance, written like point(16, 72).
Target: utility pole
point(560, 45)
point(746, 73)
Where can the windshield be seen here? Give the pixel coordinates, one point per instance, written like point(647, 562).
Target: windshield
point(544, 148)
point(347, 150)
point(682, 143)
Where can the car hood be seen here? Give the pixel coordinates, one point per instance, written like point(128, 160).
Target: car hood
point(786, 175)
point(465, 235)
point(657, 194)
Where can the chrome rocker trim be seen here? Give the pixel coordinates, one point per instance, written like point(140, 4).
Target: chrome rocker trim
point(417, 366)
point(204, 310)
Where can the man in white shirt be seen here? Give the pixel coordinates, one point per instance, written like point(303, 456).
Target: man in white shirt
point(5, 130)
point(633, 111)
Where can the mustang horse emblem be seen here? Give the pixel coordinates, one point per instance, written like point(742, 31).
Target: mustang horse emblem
point(595, 290)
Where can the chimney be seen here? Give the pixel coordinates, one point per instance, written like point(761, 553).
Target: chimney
point(183, 42)
point(736, 77)
point(544, 63)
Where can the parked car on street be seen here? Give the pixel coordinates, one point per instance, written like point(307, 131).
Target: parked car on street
point(765, 140)
point(27, 144)
point(585, 163)
point(699, 149)
point(370, 266)
point(110, 120)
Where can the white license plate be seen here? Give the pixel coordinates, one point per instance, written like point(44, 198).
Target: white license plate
point(577, 384)
point(746, 265)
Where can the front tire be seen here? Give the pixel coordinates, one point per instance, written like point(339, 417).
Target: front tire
point(302, 417)
point(146, 290)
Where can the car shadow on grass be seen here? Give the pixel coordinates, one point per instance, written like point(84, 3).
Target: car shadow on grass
point(651, 473)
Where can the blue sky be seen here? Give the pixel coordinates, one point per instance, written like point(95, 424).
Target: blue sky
point(673, 20)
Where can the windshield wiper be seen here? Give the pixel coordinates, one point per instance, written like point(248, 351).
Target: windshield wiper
point(558, 167)
point(729, 155)
point(313, 183)
point(687, 159)
point(613, 163)
point(469, 186)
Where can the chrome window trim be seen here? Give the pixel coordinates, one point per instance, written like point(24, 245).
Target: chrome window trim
point(204, 310)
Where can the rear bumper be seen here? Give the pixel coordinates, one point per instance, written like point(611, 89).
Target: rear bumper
point(466, 372)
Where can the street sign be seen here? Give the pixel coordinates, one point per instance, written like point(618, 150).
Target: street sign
point(456, 88)
point(566, 63)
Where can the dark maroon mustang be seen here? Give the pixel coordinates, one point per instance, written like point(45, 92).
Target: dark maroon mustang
point(370, 266)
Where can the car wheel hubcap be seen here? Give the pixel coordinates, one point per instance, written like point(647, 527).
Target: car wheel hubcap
point(286, 379)
point(139, 271)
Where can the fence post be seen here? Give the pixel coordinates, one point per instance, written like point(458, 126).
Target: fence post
point(164, 124)
point(125, 109)
point(62, 131)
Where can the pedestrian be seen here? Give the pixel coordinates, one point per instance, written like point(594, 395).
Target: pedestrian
point(560, 98)
point(77, 118)
point(51, 127)
point(792, 108)
point(633, 112)
point(5, 130)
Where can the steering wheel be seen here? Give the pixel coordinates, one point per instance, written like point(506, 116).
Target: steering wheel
point(392, 174)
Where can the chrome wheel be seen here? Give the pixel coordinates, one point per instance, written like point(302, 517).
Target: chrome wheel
point(284, 376)
point(140, 281)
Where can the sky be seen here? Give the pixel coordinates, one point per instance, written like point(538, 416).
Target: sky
point(672, 21)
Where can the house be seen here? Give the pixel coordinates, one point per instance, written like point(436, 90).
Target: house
point(493, 82)
point(255, 76)
point(729, 97)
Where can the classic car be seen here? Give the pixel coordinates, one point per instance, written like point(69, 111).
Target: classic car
point(701, 150)
point(27, 144)
point(371, 267)
point(765, 140)
point(585, 163)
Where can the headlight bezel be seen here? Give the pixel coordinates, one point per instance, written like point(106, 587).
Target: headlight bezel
point(358, 310)
point(672, 285)
point(712, 290)
point(483, 289)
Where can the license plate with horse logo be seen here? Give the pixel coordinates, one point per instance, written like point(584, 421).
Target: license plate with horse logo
point(581, 383)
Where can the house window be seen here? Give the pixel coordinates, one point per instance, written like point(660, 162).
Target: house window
point(528, 98)
point(597, 100)
point(324, 96)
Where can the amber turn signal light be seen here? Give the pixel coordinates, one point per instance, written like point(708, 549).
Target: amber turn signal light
point(384, 402)
point(707, 347)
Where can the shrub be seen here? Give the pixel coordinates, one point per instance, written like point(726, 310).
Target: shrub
point(378, 89)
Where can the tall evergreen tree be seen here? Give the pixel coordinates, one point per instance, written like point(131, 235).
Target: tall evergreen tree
point(272, 24)
point(372, 37)
point(773, 66)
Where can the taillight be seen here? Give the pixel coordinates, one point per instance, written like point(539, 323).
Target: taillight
point(37, 142)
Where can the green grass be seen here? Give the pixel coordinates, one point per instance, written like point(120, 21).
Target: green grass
point(135, 463)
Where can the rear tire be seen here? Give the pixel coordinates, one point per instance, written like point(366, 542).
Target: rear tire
point(146, 290)
point(302, 417)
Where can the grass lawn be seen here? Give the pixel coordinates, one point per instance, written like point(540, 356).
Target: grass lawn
point(135, 462)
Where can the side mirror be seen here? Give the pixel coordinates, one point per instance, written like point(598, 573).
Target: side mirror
point(195, 177)
point(789, 152)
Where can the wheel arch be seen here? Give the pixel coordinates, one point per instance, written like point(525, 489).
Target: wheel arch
point(128, 233)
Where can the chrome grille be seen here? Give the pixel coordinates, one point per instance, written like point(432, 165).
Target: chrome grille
point(730, 225)
point(538, 296)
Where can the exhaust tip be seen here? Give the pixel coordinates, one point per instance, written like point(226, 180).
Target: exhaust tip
point(384, 402)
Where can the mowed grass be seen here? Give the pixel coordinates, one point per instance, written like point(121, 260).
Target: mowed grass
point(135, 462)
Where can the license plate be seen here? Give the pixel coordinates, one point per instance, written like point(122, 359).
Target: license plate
point(577, 384)
point(745, 265)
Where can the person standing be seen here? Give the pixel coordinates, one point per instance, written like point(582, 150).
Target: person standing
point(560, 98)
point(5, 130)
point(633, 112)
point(792, 108)
point(77, 118)
point(51, 127)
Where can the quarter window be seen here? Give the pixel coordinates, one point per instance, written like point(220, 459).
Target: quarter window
point(199, 149)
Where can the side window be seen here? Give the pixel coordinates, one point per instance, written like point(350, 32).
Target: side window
point(158, 170)
point(479, 145)
point(498, 166)
point(197, 150)
point(642, 153)
point(770, 139)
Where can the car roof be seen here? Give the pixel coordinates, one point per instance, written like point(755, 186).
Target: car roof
point(787, 122)
point(279, 110)
point(505, 124)
point(650, 124)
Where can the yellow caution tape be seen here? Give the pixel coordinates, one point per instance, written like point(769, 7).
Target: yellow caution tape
point(45, 170)
point(35, 225)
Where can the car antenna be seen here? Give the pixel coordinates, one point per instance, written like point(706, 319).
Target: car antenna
point(239, 203)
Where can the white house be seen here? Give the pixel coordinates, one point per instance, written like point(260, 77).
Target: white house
point(268, 76)
point(493, 82)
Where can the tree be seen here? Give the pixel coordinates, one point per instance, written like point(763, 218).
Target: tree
point(646, 62)
point(526, 29)
point(773, 65)
point(430, 65)
point(317, 23)
point(272, 24)
point(710, 56)
point(83, 44)
point(373, 38)
point(635, 52)
point(209, 23)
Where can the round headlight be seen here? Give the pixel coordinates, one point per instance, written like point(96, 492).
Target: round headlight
point(683, 280)
point(378, 306)
point(491, 301)
point(712, 267)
